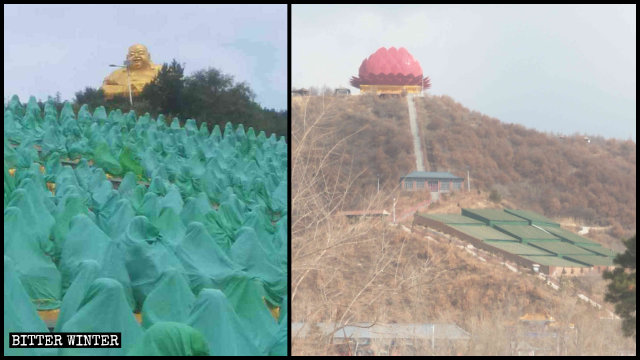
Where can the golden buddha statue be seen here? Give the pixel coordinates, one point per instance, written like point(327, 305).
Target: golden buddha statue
point(141, 72)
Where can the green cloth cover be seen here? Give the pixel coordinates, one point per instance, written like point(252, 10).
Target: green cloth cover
point(171, 339)
point(104, 309)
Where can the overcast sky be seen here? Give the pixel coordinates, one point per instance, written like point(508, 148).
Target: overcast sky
point(555, 68)
point(65, 48)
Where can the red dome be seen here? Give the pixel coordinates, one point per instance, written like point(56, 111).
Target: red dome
point(390, 67)
point(392, 61)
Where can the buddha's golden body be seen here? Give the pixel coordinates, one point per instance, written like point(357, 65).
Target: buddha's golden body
point(141, 72)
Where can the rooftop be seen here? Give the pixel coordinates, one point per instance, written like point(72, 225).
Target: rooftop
point(560, 247)
point(601, 250)
point(517, 248)
point(494, 215)
point(452, 219)
point(536, 317)
point(569, 236)
point(431, 175)
point(527, 232)
point(383, 331)
point(529, 215)
point(544, 242)
point(484, 232)
point(595, 260)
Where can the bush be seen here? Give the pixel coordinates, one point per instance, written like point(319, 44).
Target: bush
point(435, 124)
point(495, 196)
point(206, 96)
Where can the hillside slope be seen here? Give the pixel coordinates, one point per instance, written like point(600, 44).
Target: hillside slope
point(370, 271)
point(369, 139)
point(347, 271)
point(559, 176)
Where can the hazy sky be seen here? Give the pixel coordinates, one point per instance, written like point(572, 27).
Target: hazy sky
point(556, 68)
point(49, 48)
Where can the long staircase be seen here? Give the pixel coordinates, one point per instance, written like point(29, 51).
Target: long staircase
point(414, 131)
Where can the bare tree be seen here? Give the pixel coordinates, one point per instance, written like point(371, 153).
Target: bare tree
point(341, 269)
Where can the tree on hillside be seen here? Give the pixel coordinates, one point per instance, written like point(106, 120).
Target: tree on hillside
point(90, 96)
point(622, 288)
point(212, 96)
point(95, 97)
point(206, 96)
point(164, 93)
point(495, 196)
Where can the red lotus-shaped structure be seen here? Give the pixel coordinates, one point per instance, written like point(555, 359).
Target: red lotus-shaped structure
point(390, 67)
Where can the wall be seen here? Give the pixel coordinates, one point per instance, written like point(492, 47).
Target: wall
point(578, 271)
point(426, 185)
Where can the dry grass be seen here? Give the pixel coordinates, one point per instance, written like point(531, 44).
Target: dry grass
point(556, 176)
point(368, 270)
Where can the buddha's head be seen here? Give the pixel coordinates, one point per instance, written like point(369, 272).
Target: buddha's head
point(138, 57)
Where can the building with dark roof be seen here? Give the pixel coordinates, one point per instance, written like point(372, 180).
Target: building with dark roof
point(300, 92)
point(515, 237)
point(435, 182)
point(493, 217)
point(533, 218)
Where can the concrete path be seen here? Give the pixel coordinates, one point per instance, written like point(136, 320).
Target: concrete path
point(411, 211)
point(414, 131)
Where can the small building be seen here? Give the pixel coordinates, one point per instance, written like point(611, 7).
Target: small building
point(300, 92)
point(364, 213)
point(453, 219)
point(435, 182)
point(536, 319)
point(549, 250)
point(492, 217)
point(342, 92)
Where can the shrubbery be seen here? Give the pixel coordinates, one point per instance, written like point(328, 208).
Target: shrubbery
point(206, 96)
point(495, 196)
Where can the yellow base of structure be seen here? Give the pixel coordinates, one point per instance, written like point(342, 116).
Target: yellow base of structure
point(50, 317)
point(390, 89)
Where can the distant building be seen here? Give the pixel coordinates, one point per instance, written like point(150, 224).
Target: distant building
point(364, 213)
point(384, 339)
point(540, 334)
point(300, 92)
point(342, 92)
point(391, 71)
point(435, 182)
point(549, 250)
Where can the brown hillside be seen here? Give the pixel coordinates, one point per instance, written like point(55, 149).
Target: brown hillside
point(347, 271)
point(369, 136)
point(554, 175)
point(560, 177)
